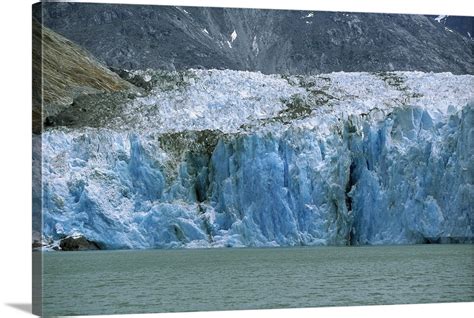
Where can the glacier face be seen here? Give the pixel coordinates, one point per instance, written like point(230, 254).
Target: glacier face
point(414, 178)
point(245, 159)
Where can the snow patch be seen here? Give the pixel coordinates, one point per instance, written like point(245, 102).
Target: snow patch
point(440, 18)
point(233, 36)
point(255, 45)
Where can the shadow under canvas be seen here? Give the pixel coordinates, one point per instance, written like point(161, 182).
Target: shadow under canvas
point(22, 306)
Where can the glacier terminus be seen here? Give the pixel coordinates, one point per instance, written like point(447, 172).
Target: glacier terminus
point(220, 158)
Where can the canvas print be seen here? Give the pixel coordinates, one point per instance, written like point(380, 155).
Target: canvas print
point(195, 159)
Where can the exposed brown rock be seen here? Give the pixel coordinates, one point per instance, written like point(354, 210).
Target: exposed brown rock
point(63, 71)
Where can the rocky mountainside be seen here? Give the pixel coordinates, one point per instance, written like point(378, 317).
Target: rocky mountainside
point(63, 72)
point(269, 41)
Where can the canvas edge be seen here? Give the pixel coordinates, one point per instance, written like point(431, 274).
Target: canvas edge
point(37, 104)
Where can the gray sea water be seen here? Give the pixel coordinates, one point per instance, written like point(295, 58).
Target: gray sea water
point(107, 282)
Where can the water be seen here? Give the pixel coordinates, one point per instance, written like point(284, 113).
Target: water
point(225, 279)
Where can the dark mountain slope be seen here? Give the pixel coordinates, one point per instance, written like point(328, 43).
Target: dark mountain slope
point(459, 24)
point(270, 41)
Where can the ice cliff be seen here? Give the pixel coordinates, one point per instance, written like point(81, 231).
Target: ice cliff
point(229, 158)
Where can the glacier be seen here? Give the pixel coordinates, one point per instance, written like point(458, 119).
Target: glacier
point(234, 159)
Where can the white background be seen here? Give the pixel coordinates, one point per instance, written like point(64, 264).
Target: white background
point(15, 154)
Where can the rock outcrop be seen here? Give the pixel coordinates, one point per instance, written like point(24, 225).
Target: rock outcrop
point(77, 243)
point(63, 72)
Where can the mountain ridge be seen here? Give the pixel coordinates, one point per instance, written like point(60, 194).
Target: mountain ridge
point(269, 41)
